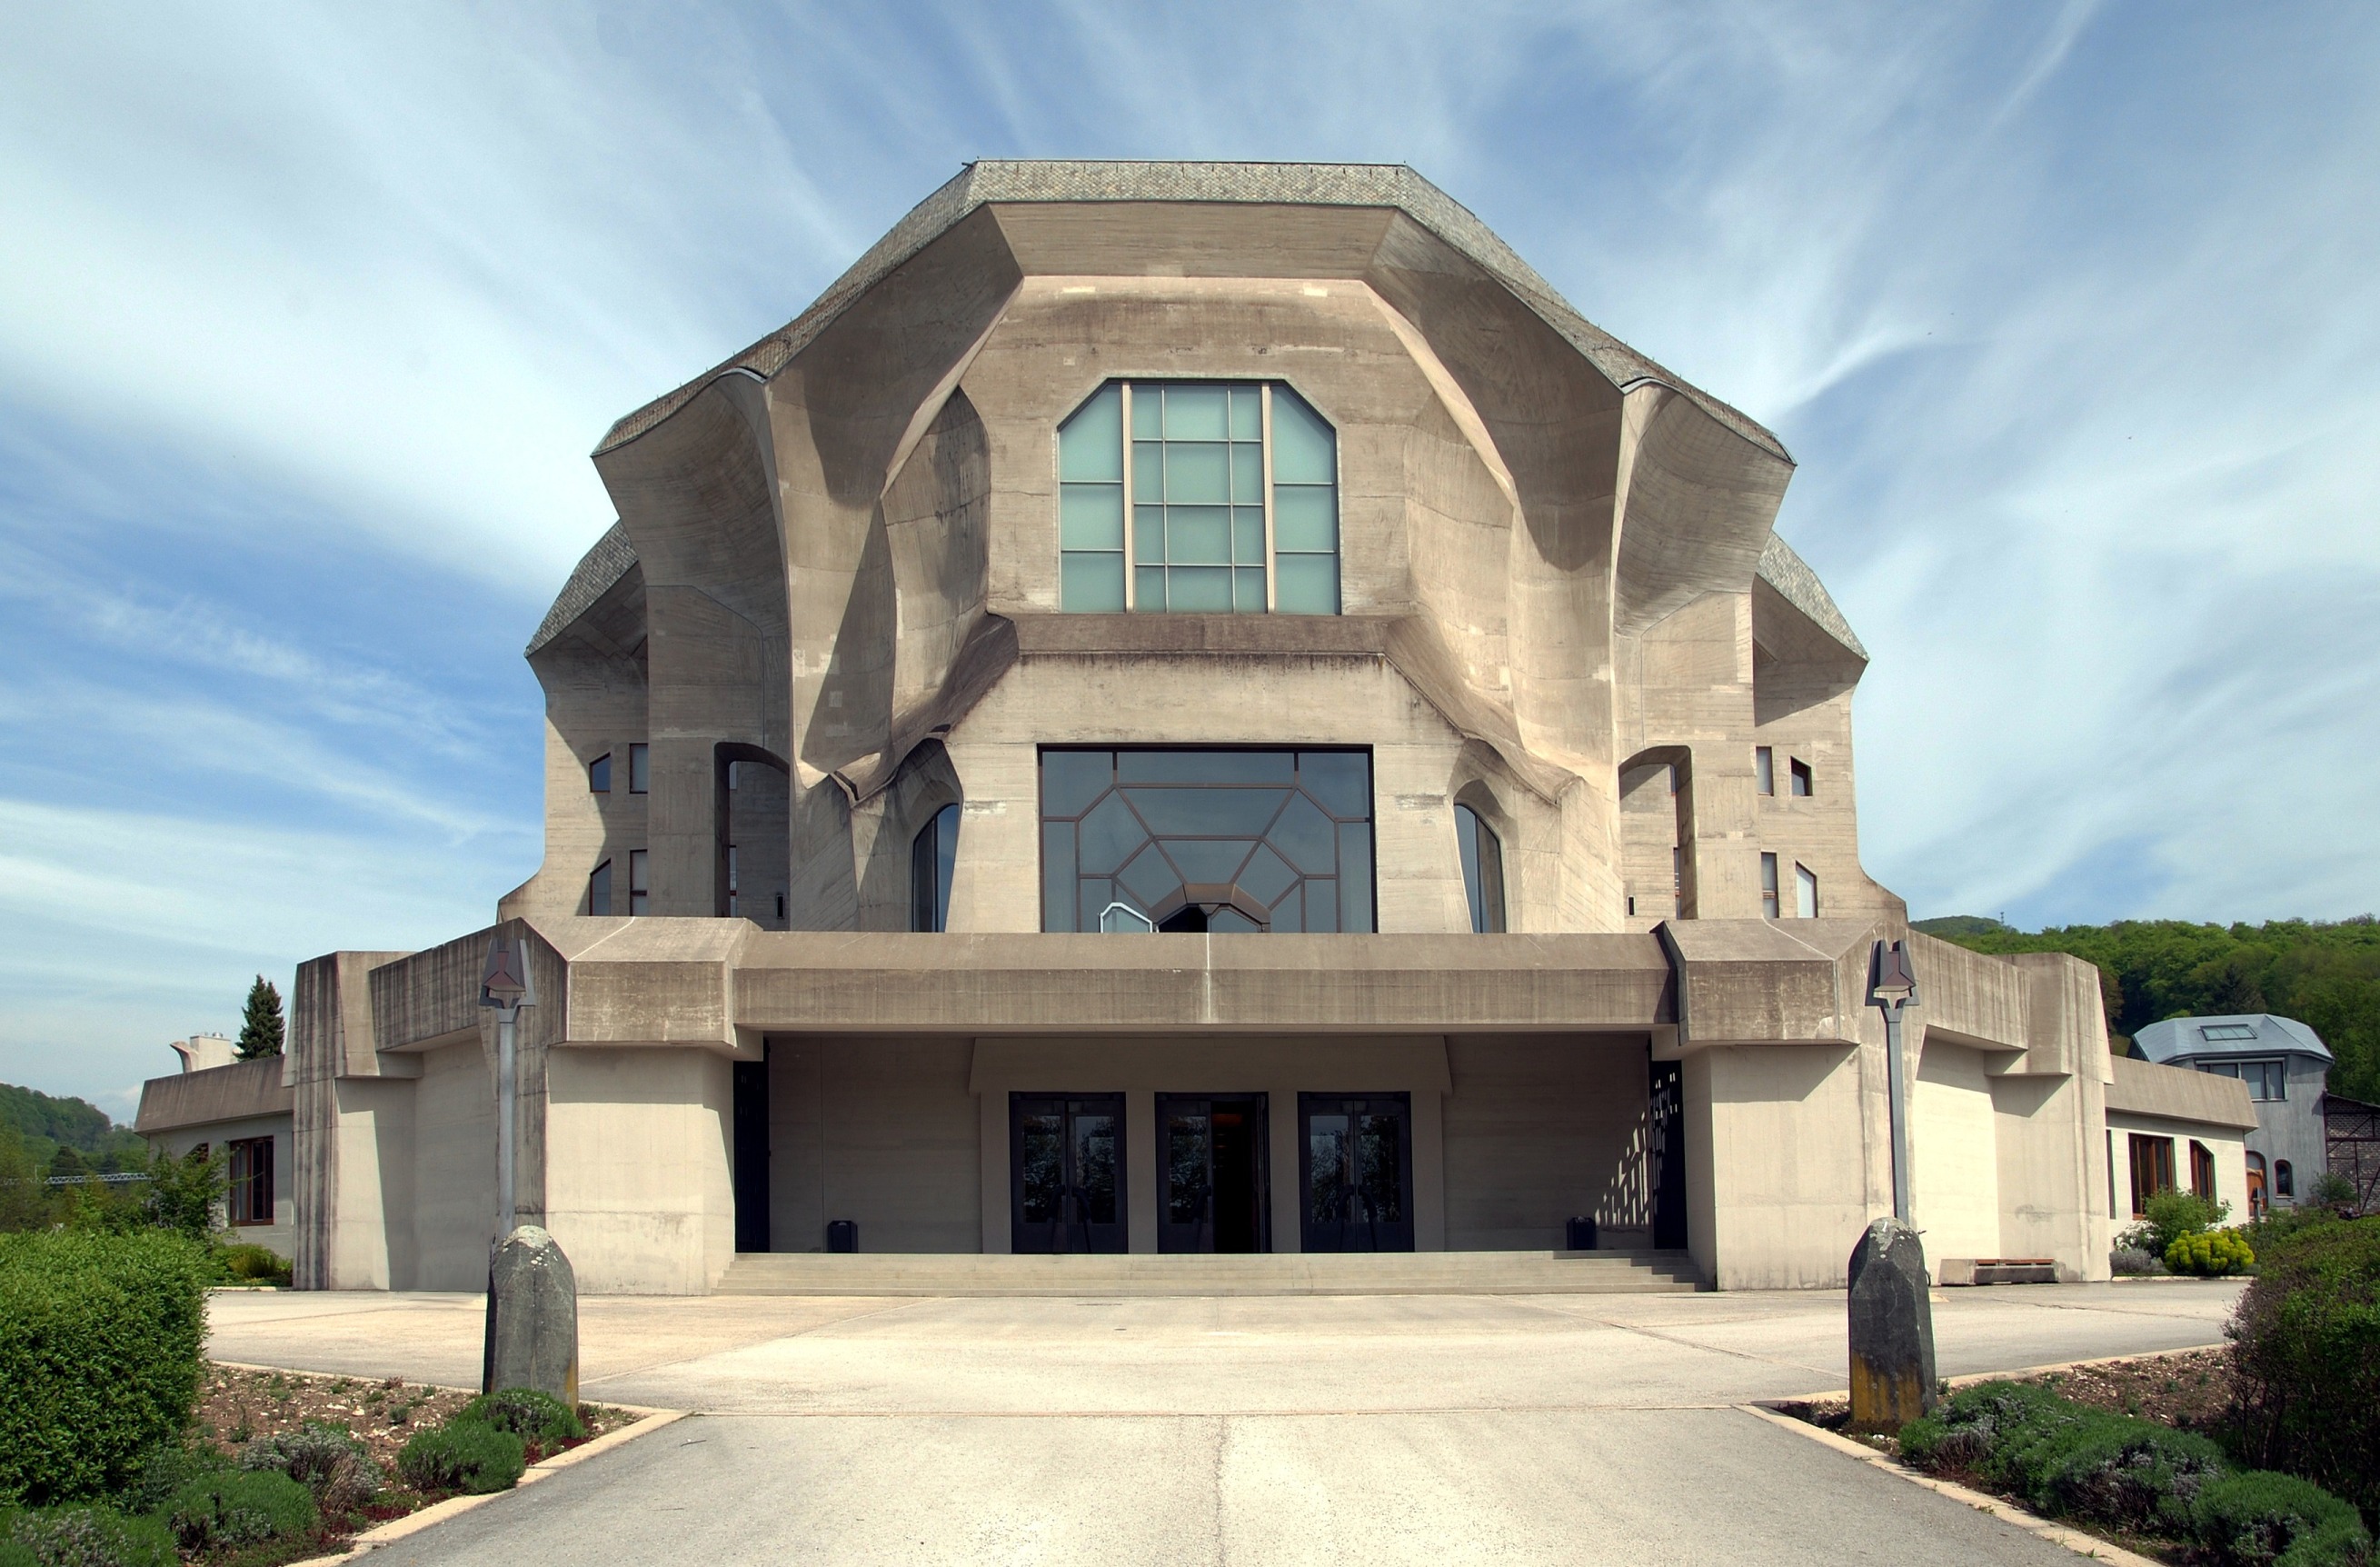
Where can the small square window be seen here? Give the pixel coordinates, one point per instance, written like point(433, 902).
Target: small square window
point(637, 891)
point(599, 774)
point(1764, 769)
point(1801, 780)
point(640, 768)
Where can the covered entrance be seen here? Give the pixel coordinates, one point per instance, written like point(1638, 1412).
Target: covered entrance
point(1354, 1154)
point(1212, 1194)
point(1066, 1172)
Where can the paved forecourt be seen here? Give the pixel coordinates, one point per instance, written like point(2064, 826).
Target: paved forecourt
point(1446, 1429)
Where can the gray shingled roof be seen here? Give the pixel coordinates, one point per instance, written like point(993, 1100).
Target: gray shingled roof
point(1791, 575)
point(2183, 1038)
point(597, 570)
point(1327, 185)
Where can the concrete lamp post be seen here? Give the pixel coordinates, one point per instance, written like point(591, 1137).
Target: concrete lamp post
point(1891, 1312)
point(532, 1334)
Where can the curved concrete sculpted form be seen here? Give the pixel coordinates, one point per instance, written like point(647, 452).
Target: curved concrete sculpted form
point(1558, 576)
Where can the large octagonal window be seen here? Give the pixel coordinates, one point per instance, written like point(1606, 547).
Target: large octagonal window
point(1205, 840)
point(1230, 490)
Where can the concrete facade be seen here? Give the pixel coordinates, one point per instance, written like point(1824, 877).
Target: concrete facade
point(216, 1101)
point(834, 607)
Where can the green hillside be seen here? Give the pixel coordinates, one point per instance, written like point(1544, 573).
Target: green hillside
point(47, 1123)
point(2323, 974)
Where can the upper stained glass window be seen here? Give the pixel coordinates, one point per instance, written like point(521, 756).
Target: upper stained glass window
point(1230, 490)
point(1205, 840)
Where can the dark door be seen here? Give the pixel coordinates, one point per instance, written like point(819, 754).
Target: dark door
point(1355, 1157)
point(1065, 1161)
point(1667, 1150)
point(751, 1168)
point(1211, 1191)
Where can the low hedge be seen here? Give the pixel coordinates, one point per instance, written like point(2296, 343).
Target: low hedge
point(84, 1537)
point(463, 1455)
point(2067, 1459)
point(236, 1507)
point(2210, 1253)
point(332, 1465)
point(2306, 1360)
point(100, 1337)
point(527, 1414)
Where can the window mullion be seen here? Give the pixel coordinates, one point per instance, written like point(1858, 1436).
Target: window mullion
point(1264, 400)
point(1130, 594)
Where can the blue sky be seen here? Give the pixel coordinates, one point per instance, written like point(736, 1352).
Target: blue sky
point(310, 315)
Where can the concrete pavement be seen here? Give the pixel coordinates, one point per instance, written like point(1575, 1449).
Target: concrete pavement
point(1451, 1429)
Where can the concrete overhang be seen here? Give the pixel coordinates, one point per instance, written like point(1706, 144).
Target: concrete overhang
point(241, 1091)
point(1763, 982)
point(2180, 1093)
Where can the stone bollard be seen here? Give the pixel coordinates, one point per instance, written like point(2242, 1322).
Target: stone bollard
point(1892, 1328)
point(532, 1318)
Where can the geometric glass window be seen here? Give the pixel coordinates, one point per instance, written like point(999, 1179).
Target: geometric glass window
point(599, 774)
point(1763, 771)
point(1205, 840)
point(1768, 907)
point(1482, 870)
point(1805, 892)
point(639, 769)
point(2226, 1031)
point(1802, 779)
point(932, 857)
point(637, 890)
point(1230, 490)
point(599, 890)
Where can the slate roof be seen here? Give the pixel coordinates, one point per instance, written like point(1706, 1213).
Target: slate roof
point(2182, 1039)
point(1327, 185)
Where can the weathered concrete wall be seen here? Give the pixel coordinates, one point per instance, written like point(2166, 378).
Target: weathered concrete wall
point(1778, 1176)
point(1954, 1190)
point(639, 1190)
point(880, 1131)
point(1539, 1129)
point(453, 1208)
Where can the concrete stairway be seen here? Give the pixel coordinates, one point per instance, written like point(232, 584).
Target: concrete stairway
point(1385, 1273)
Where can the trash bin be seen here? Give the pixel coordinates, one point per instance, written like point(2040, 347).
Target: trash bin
point(842, 1234)
point(1579, 1234)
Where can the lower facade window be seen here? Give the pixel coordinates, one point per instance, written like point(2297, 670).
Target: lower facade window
point(1768, 905)
point(2152, 1170)
point(2285, 1180)
point(251, 1180)
point(1482, 870)
point(931, 858)
point(2202, 1170)
point(1805, 892)
point(599, 890)
point(640, 893)
point(1239, 840)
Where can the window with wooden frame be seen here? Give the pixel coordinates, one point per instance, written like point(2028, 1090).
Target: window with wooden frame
point(1198, 497)
point(2202, 1170)
point(2152, 1170)
point(251, 1188)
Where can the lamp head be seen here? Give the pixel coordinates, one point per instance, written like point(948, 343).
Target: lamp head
point(1895, 982)
point(505, 982)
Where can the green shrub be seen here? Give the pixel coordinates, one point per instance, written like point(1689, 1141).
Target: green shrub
point(2258, 1517)
point(236, 1507)
point(2172, 1215)
point(84, 1537)
point(2210, 1253)
point(169, 1467)
point(333, 1465)
point(2306, 1361)
point(253, 1264)
point(463, 1455)
point(527, 1414)
point(99, 1357)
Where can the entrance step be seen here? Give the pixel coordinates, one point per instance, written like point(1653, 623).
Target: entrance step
point(1343, 1273)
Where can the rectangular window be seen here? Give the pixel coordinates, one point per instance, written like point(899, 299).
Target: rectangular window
point(2152, 1170)
point(599, 890)
point(1677, 881)
point(2217, 1031)
point(1764, 769)
point(1768, 909)
point(1206, 839)
point(637, 890)
point(1802, 779)
point(599, 774)
point(1198, 497)
point(2266, 1080)
point(640, 768)
point(2202, 1170)
point(731, 854)
point(1805, 892)
point(251, 1180)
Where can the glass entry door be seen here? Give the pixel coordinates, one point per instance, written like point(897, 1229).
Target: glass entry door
point(1065, 1161)
point(1356, 1163)
point(1211, 1191)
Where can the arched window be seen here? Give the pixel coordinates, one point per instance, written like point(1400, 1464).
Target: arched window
point(930, 858)
point(2285, 1180)
point(1230, 490)
point(1483, 869)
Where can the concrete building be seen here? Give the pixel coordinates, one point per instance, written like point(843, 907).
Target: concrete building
point(240, 1108)
point(2285, 1066)
point(1194, 708)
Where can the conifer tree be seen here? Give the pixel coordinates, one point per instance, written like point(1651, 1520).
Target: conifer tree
point(259, 1021)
